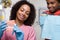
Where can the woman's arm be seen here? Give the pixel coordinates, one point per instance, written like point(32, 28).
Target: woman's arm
point(2, 27)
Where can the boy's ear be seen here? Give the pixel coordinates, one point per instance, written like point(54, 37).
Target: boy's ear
point(59, 6)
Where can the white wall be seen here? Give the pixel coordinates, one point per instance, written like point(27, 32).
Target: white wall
point(7, 10)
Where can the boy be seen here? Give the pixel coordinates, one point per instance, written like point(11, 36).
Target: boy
point(54, 9)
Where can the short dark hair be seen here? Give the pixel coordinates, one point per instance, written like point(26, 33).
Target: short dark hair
point(32, 15)
point(58, 1)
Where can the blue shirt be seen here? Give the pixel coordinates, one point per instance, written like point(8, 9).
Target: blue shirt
point(51, 28)
point(42, 19)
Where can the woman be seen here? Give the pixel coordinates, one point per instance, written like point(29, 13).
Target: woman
point(22, 17)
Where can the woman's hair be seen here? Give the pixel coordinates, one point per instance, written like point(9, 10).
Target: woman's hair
point(58, 1)
point(32, 15)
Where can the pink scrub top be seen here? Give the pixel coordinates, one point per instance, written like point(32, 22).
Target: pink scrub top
point(29, 33)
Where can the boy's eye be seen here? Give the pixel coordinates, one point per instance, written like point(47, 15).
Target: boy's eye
point(52, 2)
point(47, 3)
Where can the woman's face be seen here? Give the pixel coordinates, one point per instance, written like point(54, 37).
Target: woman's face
point(23, 12)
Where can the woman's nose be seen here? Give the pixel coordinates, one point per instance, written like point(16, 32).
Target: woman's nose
point(23, 13)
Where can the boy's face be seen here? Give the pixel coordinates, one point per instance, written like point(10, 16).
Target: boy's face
point(52, 5)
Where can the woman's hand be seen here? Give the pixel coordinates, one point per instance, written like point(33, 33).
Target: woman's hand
point(3, 26)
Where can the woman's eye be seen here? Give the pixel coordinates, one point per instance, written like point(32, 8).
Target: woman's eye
point(21, 10)
point(27, 13)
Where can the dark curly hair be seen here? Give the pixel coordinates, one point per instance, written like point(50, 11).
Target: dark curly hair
point(32, 15)
point(58, 1)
